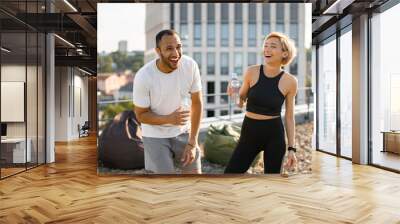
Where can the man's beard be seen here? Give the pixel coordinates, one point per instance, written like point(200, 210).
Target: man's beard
point(167, 63)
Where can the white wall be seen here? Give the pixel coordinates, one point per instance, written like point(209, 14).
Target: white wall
point(14, 73)
point(71, 94)
point(61, 103)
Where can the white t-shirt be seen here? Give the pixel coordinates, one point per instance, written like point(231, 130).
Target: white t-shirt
point(163, 93)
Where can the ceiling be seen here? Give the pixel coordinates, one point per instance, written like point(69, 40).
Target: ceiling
point(76, 22)
point(328, 16)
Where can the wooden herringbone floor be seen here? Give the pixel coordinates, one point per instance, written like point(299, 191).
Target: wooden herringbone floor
point(70, 191)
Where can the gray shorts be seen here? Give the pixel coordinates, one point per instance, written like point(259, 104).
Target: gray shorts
point(162, 155)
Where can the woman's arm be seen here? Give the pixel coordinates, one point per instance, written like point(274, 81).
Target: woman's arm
point(289, 112)
point(244, 89)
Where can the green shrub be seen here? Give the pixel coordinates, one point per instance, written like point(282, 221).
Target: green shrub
point(220, 142)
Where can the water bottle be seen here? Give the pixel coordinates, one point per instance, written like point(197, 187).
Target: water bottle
point(185, 102)
point(235, 86)
point(185, 105)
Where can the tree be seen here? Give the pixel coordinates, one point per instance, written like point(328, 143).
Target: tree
point(111, 110)
point(122, 61)
point(105, 63)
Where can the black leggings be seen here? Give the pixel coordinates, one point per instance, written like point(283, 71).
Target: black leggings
point(257, 136)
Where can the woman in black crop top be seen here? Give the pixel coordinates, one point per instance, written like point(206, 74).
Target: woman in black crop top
point(265, 88)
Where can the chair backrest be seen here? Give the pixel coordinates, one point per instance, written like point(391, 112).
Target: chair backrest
point(86, 125)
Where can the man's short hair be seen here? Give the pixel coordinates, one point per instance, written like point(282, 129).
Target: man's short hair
point(164, 33)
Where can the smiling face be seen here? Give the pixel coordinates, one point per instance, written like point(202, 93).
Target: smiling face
point(170, 51)
point(273, 51)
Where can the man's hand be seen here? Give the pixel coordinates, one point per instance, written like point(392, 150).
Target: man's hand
point(189, 154)
point(179, 117)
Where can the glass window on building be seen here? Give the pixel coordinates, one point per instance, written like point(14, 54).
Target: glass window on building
point(251, 58)
point(224, 24)
point(184, 32)
point(224, 63)
point(172, 15)
point(197, 58)
point(280, 17)
point(252, 40)
point(210, 92)
point(223, 112)
point(346, 94)
point(266, 13)
point(280, 12)
point(238, 12)
point(238, 34)
point(210, 113)
point(224, 96)
point(211, 25)
point(294, 33)
point(252, 12)
point(197, 12)
point(385, 88)
point(183, 10)
point(211, 13)
point(224, 34)
point(211, 35)
point(224, 12)
point(238, 25)
point(184, 22)
point(238, 67)
point(294, 12)
point(327, 96)
point(197, 25)
point(197, 35)
point(280, 27)
point(293, 67)
point(266, 29)
point(210, 63)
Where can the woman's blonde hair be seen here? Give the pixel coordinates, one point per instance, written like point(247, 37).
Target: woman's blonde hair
point(287, 45)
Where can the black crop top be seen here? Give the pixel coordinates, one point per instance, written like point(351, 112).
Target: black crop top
point(265, 97)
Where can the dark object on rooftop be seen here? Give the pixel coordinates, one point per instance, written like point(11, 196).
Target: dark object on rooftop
point(120, 143)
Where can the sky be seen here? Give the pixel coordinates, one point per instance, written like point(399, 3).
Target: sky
point(120, 21)
point(126, 21)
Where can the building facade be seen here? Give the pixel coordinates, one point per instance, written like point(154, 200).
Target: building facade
point(123, 46)
point(225, 38)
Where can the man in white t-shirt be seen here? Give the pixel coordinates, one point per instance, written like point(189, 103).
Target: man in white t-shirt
point(167, 94)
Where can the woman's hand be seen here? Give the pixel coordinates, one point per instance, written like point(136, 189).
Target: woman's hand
point(241, 103)
point(229, 90)
point(291, 160)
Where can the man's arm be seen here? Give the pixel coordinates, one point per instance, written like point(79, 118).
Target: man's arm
point(146, 116)
point(196, 114)
point(141, 98)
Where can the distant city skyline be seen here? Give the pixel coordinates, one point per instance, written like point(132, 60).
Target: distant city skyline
point(120, 21)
